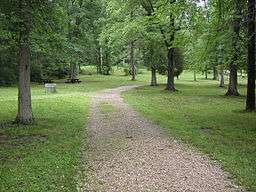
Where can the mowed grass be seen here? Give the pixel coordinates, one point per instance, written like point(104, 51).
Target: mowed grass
point(45, 156)
point(200, 115)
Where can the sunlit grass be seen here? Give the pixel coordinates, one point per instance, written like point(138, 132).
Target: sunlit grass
point(200, 114)
point(45, 156)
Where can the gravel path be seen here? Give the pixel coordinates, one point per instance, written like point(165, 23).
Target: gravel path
point(128, 153)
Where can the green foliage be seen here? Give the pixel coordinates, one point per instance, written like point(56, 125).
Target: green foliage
point(209, 36)
point(63, 33)
point(126, 72)
point(178, 64)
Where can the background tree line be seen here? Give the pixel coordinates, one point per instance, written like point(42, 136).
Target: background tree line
point(54, 38)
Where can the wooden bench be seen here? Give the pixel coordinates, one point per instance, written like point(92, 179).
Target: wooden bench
point(73, 81)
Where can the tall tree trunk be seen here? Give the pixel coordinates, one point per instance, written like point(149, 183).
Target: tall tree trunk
point(132, 62)
point(170, 71)
point(99, 67)
point(220, 10)
point(215, 74)
point(195, 76)
point(222, 78)
point(153, 76)
point(170, 68)
point(79, 68)
point(206, 74)
point(250, 100)
point(232, 86)
point(73, 74)
point(24, 115)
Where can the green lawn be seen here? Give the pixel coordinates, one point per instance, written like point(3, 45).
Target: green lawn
point(200, 115)
point(45, 156)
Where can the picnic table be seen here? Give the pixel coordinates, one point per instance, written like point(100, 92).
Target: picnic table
point(69, 80)
point(47, 81)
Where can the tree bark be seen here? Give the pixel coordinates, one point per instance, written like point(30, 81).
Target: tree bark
point(195, 76)
point(250, 100)
point(132, 62)
point(99, 67)
point(232, 86)
point(206, 74)
point(79, 68)
point(73, 74)
point(220, 10)
point(170, 71)
point(24, 115)
point(215, 73)
point(153, 76)
point(170, 68)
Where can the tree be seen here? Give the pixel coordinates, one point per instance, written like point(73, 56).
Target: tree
point(153, 53)
point(121, 34)
point(24, 115)
point(167, 33)
point(250, 101)
point(235, 26)
point(35, 35)
point(132, 54)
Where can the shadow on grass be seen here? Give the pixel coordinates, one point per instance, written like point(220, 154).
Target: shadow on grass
point(185, 90)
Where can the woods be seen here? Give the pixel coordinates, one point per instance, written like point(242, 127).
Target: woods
point(211, 37)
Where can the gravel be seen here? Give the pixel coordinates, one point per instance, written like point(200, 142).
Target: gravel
point(128, 153)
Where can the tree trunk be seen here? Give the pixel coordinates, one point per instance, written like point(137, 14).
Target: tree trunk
point(170, 71)
point(73, 74)
point(170, 68)
point(250, 100)
point(220, 50)
point(206, 74)
point(153, 76)
point(79, 68)
point(99, 67)
point(132, 62)
point(195, 76)
point(222, 79)
point(24, 115)
point(215, 73)
point(232, 87)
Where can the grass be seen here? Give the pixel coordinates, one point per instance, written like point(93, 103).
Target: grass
point(201, 116)
point(45, 156)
